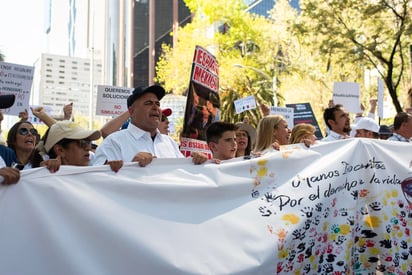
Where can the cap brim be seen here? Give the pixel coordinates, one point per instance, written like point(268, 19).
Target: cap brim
point(167, 111)
point(6, 101)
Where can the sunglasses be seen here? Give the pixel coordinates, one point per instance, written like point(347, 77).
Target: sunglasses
point(25, 131)
point(84, 143)
point(164, 118)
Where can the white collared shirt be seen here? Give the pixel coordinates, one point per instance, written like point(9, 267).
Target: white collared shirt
point(125, 144)
point(332, 136)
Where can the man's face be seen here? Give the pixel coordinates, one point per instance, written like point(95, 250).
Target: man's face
point(363, 133)
point(145, 112)
point(408, 128)
point(341, 124)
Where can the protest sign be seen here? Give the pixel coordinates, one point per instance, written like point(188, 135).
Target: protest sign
point(347, 94)
point(303, 113)
point(111, 100)
point(16, 79)
point(340, 207)
point(385, 105)
point(245, 104)
point(286, 112)
point(203, 102)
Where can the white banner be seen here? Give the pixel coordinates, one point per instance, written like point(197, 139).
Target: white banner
point(340, 207)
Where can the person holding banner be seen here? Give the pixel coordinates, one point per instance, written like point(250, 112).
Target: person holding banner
point(272, 131)
point(8, 175)
point(142, 141)
point(221, 139)
point(303, 133)
point(66, 143)
point(338, 122)
point(402, 127)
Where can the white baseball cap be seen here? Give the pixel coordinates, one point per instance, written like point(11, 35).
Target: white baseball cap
point(367, 123)
point(69, 130)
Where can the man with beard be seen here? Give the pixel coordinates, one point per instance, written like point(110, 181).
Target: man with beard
point(338, 122)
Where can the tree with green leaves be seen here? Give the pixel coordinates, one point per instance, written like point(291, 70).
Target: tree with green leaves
point(252, 54)
point(370, 34)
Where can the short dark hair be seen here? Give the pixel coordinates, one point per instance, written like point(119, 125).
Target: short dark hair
point(329, 113)
point(401, 118)
point(215, 130)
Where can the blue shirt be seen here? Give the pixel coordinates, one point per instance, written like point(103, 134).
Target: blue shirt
point(8, 155)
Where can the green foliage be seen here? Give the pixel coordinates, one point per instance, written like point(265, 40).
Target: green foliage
point(306, 53)
point(369, 34)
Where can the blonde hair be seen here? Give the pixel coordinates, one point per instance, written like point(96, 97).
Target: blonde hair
point(265, 136)
point(299, 131)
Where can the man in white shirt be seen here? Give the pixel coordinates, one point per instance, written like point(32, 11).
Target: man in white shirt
point(142, 141)
point(337, 120)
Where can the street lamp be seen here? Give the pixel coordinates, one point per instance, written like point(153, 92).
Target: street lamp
point(265, 75)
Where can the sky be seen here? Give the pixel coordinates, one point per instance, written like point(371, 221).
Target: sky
point(21, 30)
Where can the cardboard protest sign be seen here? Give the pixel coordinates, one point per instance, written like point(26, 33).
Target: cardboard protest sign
point(111, 100)
point(203, 102)
point(347, 94)
point(16, 79)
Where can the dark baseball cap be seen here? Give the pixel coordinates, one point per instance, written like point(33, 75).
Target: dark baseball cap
point(6, 101)
point(139, 91)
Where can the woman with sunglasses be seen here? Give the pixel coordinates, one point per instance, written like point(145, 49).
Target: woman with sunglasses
point(71, 145)
point(22, 139)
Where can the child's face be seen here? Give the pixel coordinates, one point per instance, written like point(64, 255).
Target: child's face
point(226, 147)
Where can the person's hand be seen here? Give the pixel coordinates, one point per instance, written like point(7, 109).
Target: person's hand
point(10, 175)
point(198, 157)
point(275, 145)
point(308, 142)
point(52, 164)
point(143, 158)
point(38, 111)
point(264, 108)
point(67, 111)
point(115, 165)
point(24, 116)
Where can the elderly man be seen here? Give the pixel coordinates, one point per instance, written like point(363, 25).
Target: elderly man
point(142, 141)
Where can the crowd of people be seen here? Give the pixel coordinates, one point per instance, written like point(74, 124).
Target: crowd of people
point(141, 135)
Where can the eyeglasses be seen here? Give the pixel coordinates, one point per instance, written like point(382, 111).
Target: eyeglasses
point(164, 118)
point(84, 143)
point(25, 131)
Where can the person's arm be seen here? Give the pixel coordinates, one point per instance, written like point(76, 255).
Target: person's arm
point(114, 125)
point(264, 109)
point(67, 111)
point(40, 113)
point(372, 108)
